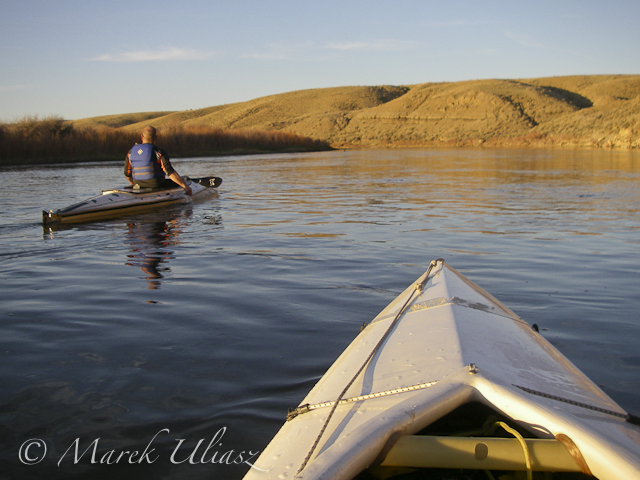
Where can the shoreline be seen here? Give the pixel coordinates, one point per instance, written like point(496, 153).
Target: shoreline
point(250, 152)
point(69, 159)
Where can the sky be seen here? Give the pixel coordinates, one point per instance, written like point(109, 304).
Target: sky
point(87, 58)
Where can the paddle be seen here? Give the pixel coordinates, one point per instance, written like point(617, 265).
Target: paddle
point(211, 182)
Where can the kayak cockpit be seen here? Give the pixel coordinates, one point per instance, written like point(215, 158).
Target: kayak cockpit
point(476, 442)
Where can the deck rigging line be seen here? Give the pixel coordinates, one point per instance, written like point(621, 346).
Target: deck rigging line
point(626, 416)
point(418, 288)
point(308, 407)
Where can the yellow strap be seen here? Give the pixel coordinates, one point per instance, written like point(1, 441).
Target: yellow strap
point(527, 457)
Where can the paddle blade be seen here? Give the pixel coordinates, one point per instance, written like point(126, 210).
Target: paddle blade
point(211, 182)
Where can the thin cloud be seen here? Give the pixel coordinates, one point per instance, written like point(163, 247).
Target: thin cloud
point(167, 54)
point(266, 56)
point(279, 51)
point(523, 39)
point(383, 45)
point(461, 23)
point(310, 51)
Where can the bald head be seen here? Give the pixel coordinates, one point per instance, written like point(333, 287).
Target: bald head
point(148, 134)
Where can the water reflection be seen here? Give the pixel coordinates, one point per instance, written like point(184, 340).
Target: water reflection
point(151, 240)
point(150, 244)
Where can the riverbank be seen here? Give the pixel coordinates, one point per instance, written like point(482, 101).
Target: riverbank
point(32, 141)
point(596, 111)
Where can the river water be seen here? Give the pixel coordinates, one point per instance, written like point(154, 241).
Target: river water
point(167, 333)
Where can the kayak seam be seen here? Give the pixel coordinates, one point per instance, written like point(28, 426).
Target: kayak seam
point(461, 302)
point(308, 407)
point(118, 207)
point(443, 302)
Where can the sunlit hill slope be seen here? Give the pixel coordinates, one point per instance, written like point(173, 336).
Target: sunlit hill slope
point(583, 111)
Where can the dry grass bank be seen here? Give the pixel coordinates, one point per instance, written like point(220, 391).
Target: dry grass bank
point(600, 111)
point(35, 141)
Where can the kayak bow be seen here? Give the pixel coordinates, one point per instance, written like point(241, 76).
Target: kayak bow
point(446, 376)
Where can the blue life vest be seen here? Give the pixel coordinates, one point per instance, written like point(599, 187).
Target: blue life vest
point(144, 164)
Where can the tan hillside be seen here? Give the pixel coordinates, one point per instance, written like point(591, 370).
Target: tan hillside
point(294, 111)
point(117, 121)
point(587, 111)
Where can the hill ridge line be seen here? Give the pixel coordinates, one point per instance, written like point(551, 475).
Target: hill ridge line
point(569, 111)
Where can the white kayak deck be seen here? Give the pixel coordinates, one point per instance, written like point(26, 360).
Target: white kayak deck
point(453, 344)
point(119, 201)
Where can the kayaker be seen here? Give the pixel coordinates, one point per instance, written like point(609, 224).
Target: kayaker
point(146, 165)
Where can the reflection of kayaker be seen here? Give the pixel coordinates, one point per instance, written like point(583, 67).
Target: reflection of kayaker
point(149, 243)
point(147, 164)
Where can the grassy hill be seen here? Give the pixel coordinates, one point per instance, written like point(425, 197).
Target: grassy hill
point(584, 111)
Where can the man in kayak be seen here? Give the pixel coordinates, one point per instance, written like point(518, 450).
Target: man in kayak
point(146, 165)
